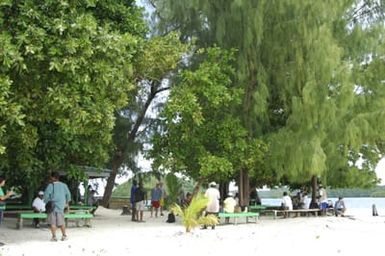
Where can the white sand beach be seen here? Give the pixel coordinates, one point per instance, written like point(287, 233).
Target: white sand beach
point(114, 234)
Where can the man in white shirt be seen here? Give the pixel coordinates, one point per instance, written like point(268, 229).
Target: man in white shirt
point(212, 193)
point(38, 205)
point(287, 204)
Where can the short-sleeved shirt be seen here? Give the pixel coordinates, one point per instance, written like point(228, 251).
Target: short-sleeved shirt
point(132, 198)
point(2, 203)
point(59, 193)
point(286, 201)
point(39, 204)
point(213, 195)
point(156, 194)
point(229, 204)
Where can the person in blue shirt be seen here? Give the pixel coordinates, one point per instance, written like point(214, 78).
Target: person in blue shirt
point(156, 195)
point(132, 199)
point(58, 192)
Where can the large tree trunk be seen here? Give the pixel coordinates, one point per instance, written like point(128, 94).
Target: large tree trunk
point(116, 163)
point(243, 187)
point(314, 186)
point(121, 155)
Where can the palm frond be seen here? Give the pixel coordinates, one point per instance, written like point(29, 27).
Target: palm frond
point(192, 215)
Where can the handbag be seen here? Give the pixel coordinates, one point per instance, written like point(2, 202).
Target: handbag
point(50, 205)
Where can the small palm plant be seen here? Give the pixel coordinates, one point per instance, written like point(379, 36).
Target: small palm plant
point(192, 215)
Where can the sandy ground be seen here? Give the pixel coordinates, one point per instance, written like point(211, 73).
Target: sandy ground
point(115, 234)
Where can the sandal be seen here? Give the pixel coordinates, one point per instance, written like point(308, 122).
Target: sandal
point(54, 239)
point(64, 237)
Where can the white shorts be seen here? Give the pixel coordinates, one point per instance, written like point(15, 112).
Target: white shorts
point(140, 206)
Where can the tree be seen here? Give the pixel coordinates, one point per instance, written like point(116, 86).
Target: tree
point(157, 58)
point(66, 67)
point(297, 62)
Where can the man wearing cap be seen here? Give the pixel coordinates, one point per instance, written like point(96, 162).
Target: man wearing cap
point(212, 193)
point(38, 205)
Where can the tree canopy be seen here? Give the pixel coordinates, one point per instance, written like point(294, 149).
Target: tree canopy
point(66, 67)
point(312, 78)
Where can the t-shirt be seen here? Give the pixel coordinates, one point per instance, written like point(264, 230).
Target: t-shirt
point(2, 203)
point(59, 193)
point(229, 204)
point(286, 202)
point(39, 204)
point(139, 194)
point(213, 195)
point(156, 194)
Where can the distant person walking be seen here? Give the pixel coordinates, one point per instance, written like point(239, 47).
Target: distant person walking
point(58, 192)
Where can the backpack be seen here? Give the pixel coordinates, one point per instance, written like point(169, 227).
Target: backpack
point(170, 218)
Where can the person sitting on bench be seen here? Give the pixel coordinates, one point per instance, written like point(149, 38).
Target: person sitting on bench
point(38, 205)
point(286, 204)
point(339, 207)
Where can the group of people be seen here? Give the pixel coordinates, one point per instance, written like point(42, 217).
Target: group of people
point(138, 200)
point(303, 202)
point(57, 192)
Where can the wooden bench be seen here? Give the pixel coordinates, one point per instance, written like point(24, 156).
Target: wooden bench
point(67, 216)
point(297, 212)
point(237, 215)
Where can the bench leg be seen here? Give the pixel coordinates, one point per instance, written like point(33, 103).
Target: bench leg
point(19, 223)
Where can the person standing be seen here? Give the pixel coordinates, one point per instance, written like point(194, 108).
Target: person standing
point(156, 196)
point(162, 199)
point(323, 198)
point(38, 205)
point(3, 197)
point(212, 193)
point(132, 200)
point(140, 201)
point(58, 192)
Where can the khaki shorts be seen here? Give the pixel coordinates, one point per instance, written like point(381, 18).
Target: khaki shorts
point(56, 219)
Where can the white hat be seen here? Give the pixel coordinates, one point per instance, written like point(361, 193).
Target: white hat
point(41, 193)
point(212, 184)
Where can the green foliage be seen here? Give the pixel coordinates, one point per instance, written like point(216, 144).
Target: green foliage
point(197, 133)
point(192, 215)
point(66, 67)
point(312, 74)
point(174, 188)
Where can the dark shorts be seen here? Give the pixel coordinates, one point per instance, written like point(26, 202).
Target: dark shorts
point(155, 204)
